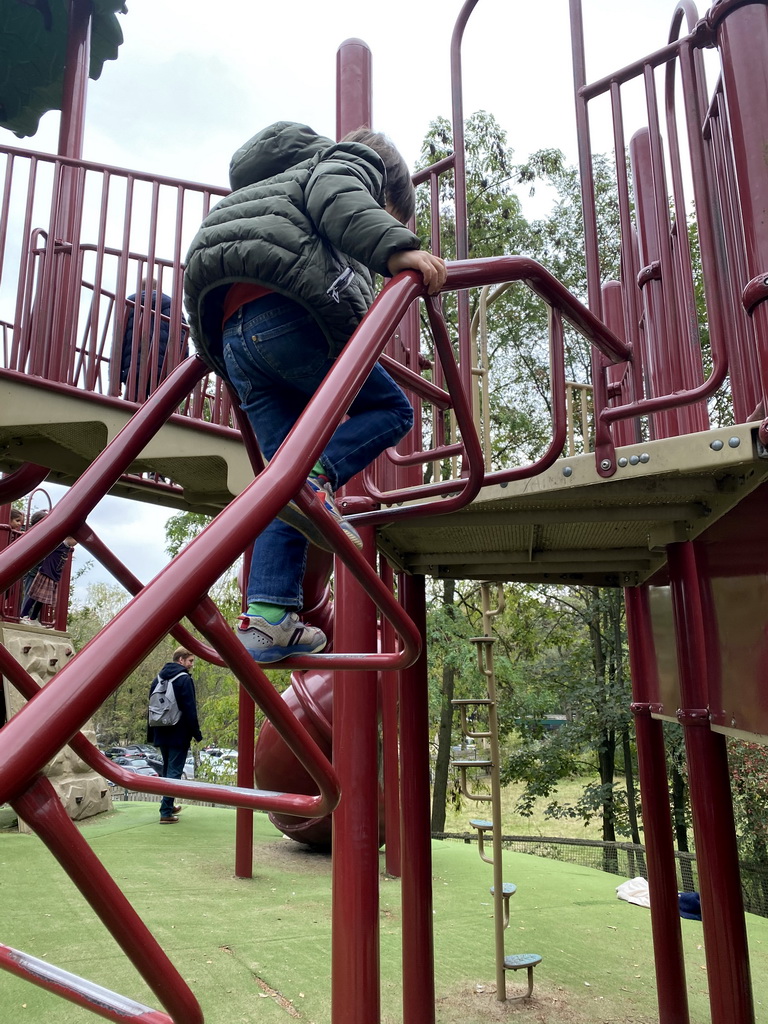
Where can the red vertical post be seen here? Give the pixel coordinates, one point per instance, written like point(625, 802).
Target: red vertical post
point(660, 333)
point(72, 124)
point(460, 199)
point(657, 823)
point(389, 690)
point(416, 837)
point(64, 290)
point(722, 908)
point(620, 385)
point(355, 992)
point(742, 37)
point(355, 983)
point(353, 87)
point(246, 749)
point(246, 725)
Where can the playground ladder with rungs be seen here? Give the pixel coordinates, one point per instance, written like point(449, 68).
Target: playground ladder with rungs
point(501, 891)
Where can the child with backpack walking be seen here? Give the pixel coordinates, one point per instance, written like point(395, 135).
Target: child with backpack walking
point(278, 277)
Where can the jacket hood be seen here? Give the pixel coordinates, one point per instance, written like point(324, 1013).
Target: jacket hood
point(274, 150)
point(171, 669)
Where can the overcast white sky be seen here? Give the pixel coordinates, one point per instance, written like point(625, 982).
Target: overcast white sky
point(194, 80)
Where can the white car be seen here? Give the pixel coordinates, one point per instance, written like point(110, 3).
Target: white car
point(219, 767)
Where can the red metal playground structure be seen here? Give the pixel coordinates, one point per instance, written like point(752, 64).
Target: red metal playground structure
point(662, 505)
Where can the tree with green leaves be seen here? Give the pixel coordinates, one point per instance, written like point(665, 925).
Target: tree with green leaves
point(122, 718)
point(520, 403)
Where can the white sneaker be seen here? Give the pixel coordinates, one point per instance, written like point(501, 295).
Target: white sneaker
point(270, 641)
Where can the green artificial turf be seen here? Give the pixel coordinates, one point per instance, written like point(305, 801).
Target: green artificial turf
point(258, 950)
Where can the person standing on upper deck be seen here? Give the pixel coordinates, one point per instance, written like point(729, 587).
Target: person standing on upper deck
point(151, 301)
point(277, 280)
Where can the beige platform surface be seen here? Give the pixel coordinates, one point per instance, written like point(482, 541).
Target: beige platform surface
point(567, 525)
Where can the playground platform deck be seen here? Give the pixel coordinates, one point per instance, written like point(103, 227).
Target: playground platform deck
point(565, 525)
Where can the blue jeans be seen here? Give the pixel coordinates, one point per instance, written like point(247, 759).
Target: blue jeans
point(174, 759)
point(276, 357)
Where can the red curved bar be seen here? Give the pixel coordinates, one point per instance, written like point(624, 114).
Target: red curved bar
point(41, 808)
point(23, 480)
point(96, 547)
point(101, 475)
point(501, 269)
point(78, 990)
point(230, 796)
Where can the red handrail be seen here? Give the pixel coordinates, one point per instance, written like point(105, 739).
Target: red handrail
point(50, 720)
point(54, 715)
point(103, 554)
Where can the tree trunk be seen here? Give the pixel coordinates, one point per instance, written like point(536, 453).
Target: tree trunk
point(636, 864)
point(606, 755)
point(607, 761)
point(679, 800)
point(443, 759)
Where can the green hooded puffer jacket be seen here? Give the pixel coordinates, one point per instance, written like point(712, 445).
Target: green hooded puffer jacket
point(303, 210)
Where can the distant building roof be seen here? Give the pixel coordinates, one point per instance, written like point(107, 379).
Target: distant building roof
point(33, 45)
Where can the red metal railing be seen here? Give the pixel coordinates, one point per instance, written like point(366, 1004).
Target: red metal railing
point(53, 716)
point(71, 288)
point(121, 228)
point(659, 283)
point(664, 298)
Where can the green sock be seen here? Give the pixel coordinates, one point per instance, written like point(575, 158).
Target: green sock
point(318, 469)
point(271, 612)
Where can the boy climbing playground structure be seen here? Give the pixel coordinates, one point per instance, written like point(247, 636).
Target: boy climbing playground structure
point(659, 503)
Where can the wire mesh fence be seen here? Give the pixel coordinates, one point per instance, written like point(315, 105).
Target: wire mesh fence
point(627, 860)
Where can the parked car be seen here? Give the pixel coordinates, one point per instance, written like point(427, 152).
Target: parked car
point(145, 749)
point(155, 761)
point(115, 752)
point(219, 769)
point(134, 763)
point(137, 765)
point(218, 752)
point(189, 768)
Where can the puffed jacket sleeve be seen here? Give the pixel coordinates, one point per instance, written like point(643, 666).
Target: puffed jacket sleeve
point(344, 197)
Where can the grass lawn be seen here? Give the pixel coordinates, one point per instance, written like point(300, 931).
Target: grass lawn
point(513, 823)
point(259, 950)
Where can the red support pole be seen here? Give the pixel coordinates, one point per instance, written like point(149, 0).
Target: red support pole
point(246, 725)
point(742, 38)
point(246, 754)
point(416, 840)
point(722, 908)
point(62, 249)
point(660, 334)
point(460, 178)
point(389, 689)
point(355, 993)
point(75, 87)
point(657, 824)
point(353, 87)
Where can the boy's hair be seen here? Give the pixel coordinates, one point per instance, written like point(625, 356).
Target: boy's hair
point(180, 652)
point(400, 193)
point(38, 516)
